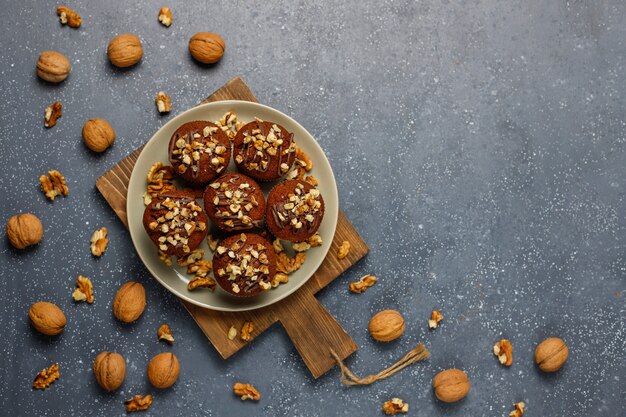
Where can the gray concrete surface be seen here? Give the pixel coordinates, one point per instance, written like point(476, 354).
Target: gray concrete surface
point(479, 147)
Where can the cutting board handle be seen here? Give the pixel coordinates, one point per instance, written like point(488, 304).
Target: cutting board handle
point(314, 331)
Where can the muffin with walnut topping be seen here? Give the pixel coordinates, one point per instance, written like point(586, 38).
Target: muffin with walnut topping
point(199, 151)
point(264, 151)
point(235, 202)
point(244, 264)
point(175, 223)
point(295, 210)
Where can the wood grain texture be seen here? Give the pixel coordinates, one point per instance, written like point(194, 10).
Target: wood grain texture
point(311, 328)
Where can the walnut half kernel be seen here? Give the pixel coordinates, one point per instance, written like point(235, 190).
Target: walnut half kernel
point(435, 318)
point(362, 284)
point(138, 403)
point(504, 351)
point(52, 113)
point(395, 405)
point(519, 410)
point(53, 185)
point(165, 16)
point(163, 102)
point(343, 250)
point(99, 241)
point(246, 392)
point(165, 333)
point(46, 377)
point(246, 331)
point(84, 290)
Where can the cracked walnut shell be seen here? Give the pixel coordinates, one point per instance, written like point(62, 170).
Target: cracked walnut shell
point(129, 302)
point(246, 392)
point(386, 325)
point(53, 66)
point(125, 50)
point(24, 230)
point(451, 385)
point(98, 134)
point(163, 370)
point(47, 318)
point(109, 369)
point(551, 354)
point(207, 47)
point(46, 377)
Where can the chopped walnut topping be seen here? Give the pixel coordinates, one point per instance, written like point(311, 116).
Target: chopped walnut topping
point(301, 246)
point(246, 392)
point(52, 113)
point(69, 17)
point(99, 241)
point(229, 124)
point(163, 102)
point(435, 318)
point(165, 16)
point(363, 284)
point(504, 351)
point(232, 333)
point(343, 250)
point(519, 410)
point(53, 185)
point(259, 147)
point(138, 403)
point(193, 257)
point(278, 246)
point(212, 241)
point(46, 377)
point(192, 145)
point(287, 265)
point(165, 258)
point(279, 278)
point(303, 160)
point(201, 282)
point(395, 405)
point(246, 331)
point(165, 333)
point(234, 199)
point(84, 290)
point(298, 209)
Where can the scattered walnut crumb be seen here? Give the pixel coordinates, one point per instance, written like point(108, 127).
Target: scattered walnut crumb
point(163, 102)
point(69, 17)
point(52, 114)
point(212, 241)
point(165, 333)
point(99, 241)
point(287, 265)
point(395, 405)
point(301, 246)
point(165, 258)
point(201, 282)
point(165, 16)
point(138, 403)
point(246, 391)
point(504, 351)
point(278, 246)
point(194, 256)
point(435, 318)
point(315, 240)
point(519, 410)
point(200, 268)
point(232, 333)
point(279, 278)
point(53, 185)
point(84, 290)
point(362, 284)
point(246, 331)
point(343, 250)
point(46, 377)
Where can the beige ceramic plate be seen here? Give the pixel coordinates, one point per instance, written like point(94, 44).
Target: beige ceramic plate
point(174, 278)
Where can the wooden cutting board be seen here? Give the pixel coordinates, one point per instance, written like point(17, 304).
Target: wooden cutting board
point(311, 328)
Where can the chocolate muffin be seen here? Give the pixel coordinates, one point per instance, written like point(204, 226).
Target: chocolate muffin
point(175, 223)
point(234, 202)
point(244, 264)
point(294, 210)
point(264, 151)
point(199, 151)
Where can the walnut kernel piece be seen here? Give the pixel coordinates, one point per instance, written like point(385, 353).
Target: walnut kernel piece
point(212, 241)
point(303, 160)
point(504, 351)
point(200, 268)
point(363, 284)
point(165, 333)
point(53, 185)
point(52, 113)
point(278, 246)
point(287, 265)
point(343, 250)
point(246, 331)
point(165, 16)
point(229, 124)
point(301, 246)
point(311, 180)
point(46, 377)
point(194, 256)
point(165, 258)
point(99, 241)
point(69, 17)
point(201, 282)
point(232, 333)
point(519, 410)
point(163, 102)
point(435, 318)
point(315, 240)
point(279, 278)
point(395, 405)
point(246, 392)
point(84, 290)
point(138, 403)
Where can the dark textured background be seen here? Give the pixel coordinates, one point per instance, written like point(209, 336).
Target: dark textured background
point(479, 147)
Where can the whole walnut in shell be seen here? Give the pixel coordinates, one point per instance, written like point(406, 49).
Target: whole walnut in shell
point(129, 302)
point(207, 47)
point(451, 385)
point(551, 354)
point(47, 318)
point(163, 370)
point(109, 368)
point(386, 325)
point(53, 66)
point(98, 134)
point(125, 50)
point(24, 230)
